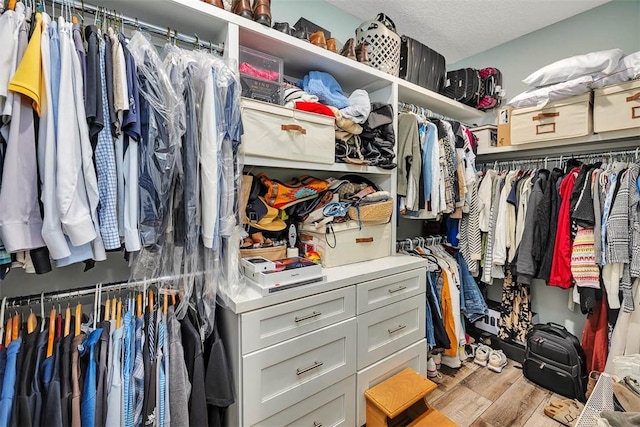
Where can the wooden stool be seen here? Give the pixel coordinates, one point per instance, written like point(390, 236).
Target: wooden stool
point(401, 401)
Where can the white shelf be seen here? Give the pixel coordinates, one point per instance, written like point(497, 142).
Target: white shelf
point(414, 94)
point(615, 140)
point(212, 24)
point(337, 277)
point(336, 167)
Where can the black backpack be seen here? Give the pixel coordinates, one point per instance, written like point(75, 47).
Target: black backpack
point(554, 359)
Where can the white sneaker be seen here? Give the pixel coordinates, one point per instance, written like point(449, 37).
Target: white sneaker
point(437, 358)
point(482, 354)
point(432, 372)
point(497, 361)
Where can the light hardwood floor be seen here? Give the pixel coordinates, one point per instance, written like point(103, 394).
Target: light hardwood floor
point(474, 396)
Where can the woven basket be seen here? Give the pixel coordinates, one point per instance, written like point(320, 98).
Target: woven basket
point(384, 46)
point(378, 213)
point(272, 254)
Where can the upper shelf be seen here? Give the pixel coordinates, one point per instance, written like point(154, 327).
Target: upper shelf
point(606, 141)
point(211, 23)
point(417, 95)
point(335, 167)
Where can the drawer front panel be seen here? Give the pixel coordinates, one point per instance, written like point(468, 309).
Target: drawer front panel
point(559, 120)
point(378, 293)
point(414, 357)
point(388, 329)
point(332, 407)
point(289, 372)
point(617, 107)
point(271, 325)
point(278, 132)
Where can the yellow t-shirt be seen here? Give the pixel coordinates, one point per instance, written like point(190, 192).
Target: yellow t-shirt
point(27, 79)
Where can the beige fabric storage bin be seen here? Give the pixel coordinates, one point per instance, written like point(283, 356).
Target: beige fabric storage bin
point(617, 107)
point(277, 132)
point(347, 244)
point(567, 118)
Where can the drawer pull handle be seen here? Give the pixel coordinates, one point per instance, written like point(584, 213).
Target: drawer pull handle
point(364, 240)
point(398, 289)
point(399, 328)
point(633, 97)
point(310, 368)
point(307, 317)
point(317, 424)
point(635, 113)
point(294, 127)
point(545, 116)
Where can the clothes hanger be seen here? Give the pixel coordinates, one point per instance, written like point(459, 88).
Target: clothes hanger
point(139, 305)
point(78, 319)
point(32, 320)
point(114, 307)
point(52, 331)
point(2, 308)
point(165, 300)
point(9, 334)
point(119, 313)
point(15, 327)
point(151, 305)
point(67, 320)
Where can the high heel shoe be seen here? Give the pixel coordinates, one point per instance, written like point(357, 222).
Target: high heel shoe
point(362, 55)
point(349, 49)
point(262, 12)
point(318, 39)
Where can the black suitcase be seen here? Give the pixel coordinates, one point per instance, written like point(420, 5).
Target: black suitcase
point(464, 86)
point(421, 65)
point(554, 359)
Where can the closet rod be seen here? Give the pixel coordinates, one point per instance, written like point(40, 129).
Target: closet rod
point(91, 289)
point(138, 24)
point(560, 159)
point(420, 240)
point(412, 108)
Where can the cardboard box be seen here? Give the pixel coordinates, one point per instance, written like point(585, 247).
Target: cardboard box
point(504, 126)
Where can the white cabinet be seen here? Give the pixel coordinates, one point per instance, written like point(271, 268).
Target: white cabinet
point(302, 356)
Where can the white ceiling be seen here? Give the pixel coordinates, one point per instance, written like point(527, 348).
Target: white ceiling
point(461, 28)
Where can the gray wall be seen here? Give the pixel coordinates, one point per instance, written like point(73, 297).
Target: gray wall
point(615, 24)
point(341, 24)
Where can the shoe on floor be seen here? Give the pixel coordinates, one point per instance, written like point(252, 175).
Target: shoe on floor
point(482, 355)
point(432, 371)
point(628, 399)
point(437, 358)
point(497, 361)
point(593, 379)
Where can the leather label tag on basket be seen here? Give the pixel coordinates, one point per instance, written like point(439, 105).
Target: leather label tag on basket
point(364, 240)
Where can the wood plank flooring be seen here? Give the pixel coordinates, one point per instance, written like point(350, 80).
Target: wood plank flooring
point(474, 396)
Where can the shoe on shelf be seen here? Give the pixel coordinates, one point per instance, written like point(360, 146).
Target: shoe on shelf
point(332, 45)
point(497, 361)
point(349, 49)
point(301, 33)
point(243, 8)
point(432, 372)
point(318, 38)
point(262, 12)
point(482, 355)
point(362, 55)
point(593, 379)
point(283, 27)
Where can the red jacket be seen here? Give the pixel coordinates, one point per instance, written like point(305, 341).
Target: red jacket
point(561, 265)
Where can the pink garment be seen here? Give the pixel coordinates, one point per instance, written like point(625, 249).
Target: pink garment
point(260, 73)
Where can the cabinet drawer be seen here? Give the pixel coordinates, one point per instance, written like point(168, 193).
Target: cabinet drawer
point(332, 407)
point(414, 357)
point(617, 107)
point(268, 326)
point(277, 377)
point(378, 293)
point(282, 133)
point(566, 118)
point(390, 328)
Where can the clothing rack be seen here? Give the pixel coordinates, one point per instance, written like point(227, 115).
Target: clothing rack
point(91, 289)
point(410, 243)
point(412, 108)
point(629, 155)
point(168, 33)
